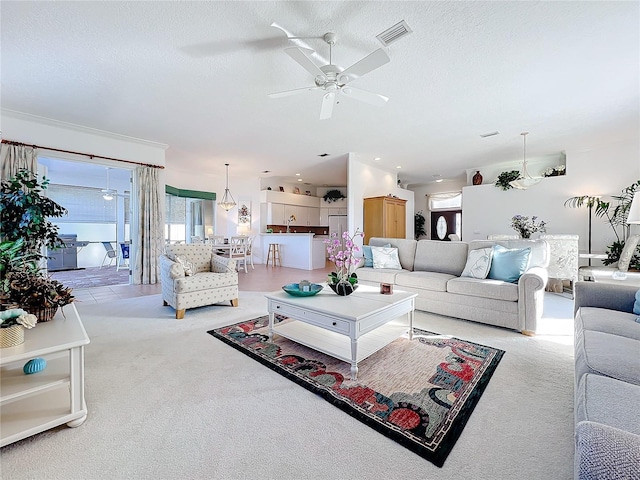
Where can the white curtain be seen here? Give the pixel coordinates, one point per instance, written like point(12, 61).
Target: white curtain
point(149, 244)
point(17, 157)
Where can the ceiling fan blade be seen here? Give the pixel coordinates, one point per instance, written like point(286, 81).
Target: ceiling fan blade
point(301, 56)
point(288, 93)
point(370, 62)
point(365, 96)
point(328, 101)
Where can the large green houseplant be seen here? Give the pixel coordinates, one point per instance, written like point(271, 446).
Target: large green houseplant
point(615, 212)
point(25, 213)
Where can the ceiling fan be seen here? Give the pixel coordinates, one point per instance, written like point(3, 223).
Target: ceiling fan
point(334, 80)
point(109, 193)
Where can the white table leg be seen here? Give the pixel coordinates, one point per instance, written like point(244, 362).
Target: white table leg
point(271, 318)
point(354, 356)
point(411, 325)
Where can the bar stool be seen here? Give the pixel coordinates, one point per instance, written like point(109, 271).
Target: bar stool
point(273, 254)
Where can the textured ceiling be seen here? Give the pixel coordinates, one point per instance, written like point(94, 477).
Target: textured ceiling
point(195, 75)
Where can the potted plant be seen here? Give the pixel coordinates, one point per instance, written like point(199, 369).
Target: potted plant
point(616, 214)
point(333, 196)
point(26, 230)
point(504, 179)
point(342, 281)
point(419, 223)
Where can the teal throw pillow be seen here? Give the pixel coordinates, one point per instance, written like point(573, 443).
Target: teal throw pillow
point(508, 265)
point(368, 255)
point(636, 305)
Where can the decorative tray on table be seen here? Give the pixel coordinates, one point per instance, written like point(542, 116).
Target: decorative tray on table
point(294, 289)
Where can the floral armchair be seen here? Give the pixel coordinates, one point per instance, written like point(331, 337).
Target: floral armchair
point(193, 276)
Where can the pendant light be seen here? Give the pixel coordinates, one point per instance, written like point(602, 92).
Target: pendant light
point(227, 201)
point(108, 193)
point(527, 180)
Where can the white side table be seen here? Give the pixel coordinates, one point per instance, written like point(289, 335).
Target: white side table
point(31, 404)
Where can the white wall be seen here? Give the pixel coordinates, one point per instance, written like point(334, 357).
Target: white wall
point(363, 181)
point(600, 171)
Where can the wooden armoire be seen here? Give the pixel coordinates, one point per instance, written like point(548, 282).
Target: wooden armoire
point(384, 217)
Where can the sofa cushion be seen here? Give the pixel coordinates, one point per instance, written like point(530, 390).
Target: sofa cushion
point(368, 255)
point(406, 249)
point(608, 401)
point(378, 275)
point(186, 265)
point(386, 257)
point(539, 249)
point(605, 354)
point(478, 263)
point(426, 280)
point(487, 288)
point(608, 321)
point(636, 304)
point(441, 257)
point(509, 264)
point(204, 281)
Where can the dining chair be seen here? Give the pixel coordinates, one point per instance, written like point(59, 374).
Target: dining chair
point(238, 251)
point(249, 250)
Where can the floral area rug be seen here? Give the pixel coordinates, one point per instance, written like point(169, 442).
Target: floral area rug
point(419, 393)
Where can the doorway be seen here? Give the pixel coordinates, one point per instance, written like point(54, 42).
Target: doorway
point(445, 223)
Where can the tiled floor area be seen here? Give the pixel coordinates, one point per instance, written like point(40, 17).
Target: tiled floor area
point(258, 280)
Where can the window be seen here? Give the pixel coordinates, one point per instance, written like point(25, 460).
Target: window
point(445, 201)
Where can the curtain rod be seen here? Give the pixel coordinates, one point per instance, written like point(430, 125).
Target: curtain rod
point(11, 142)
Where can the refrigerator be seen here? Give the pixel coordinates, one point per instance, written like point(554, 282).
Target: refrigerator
point(337, 225)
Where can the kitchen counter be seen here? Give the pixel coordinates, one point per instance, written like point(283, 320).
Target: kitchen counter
point(297, 250)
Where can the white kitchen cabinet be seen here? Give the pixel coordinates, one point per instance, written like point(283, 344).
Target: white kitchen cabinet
point(276, 214)
point(313, 217)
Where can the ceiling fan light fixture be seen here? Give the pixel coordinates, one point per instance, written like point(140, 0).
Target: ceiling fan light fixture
point(227, 202)
point(107, 196)
point(527, 180)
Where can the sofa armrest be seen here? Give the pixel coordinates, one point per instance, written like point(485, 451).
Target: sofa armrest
point(604, 295)
point(170, 270)
point(605, 452)
point(221, 264)
point(531, 298)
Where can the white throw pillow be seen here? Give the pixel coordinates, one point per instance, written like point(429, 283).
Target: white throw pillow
point(478, 263)
point(386, 257)
point(186, 264)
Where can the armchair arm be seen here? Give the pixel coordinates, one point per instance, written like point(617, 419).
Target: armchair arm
point(222, 264)
point(170, 270)
point(604, 295)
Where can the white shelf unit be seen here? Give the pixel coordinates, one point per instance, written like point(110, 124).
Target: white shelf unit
point(31, 404)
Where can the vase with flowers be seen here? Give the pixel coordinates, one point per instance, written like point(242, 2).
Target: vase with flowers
point(292, 218)
point(525, 226)
point(343, 281)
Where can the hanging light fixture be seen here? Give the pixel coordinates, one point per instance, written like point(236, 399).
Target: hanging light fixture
point(526, 180)
point(108, 193)
point(227, 201)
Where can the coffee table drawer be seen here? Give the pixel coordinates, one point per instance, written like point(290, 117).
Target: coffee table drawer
point(313, 318)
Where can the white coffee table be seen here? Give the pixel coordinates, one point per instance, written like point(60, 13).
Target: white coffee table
point(348, 328)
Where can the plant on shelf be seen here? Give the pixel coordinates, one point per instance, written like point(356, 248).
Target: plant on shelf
point(343, 281)
point(615, 212)
point(505, 177)
point(419, 223)
point(26, 230)
point(333, 196)
point(526, 227)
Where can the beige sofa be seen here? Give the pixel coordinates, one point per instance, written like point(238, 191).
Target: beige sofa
point(212, 278)
point(432, 269)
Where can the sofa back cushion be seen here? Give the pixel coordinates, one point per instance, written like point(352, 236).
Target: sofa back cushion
point(441, 257)
point(539, 256)
point(406, 249)
point(198, 254)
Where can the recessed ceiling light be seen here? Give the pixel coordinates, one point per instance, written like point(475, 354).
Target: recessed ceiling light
point(297, 174)
point(439, 180)
point(377, 159)
point(399, 166)
point(299, 179)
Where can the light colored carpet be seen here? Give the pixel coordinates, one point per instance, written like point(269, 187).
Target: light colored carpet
point(167, 400)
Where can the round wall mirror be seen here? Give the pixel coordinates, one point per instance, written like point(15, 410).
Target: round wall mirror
point(441, 227)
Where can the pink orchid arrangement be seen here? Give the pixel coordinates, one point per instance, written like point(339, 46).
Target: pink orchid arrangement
point(341, 254)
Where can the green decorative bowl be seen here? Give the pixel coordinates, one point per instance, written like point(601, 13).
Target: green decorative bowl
point(294, 289)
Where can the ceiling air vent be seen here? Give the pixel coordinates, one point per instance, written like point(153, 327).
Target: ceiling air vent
point(394, 33)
